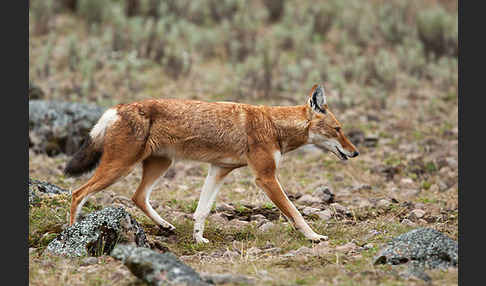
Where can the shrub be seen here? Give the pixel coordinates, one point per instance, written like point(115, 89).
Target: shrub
point(257, 73)
point(93, 11)
point(359, 22)
point(275, 9)
point(437, 29)
point(382, 70)
point(41, 11)
point(241, 35)
point(393, 21)
point(323, 17)
point(411, 57)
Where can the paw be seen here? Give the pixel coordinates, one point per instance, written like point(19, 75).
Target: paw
point(318, 238)
point(166, 230)
point(200, 239)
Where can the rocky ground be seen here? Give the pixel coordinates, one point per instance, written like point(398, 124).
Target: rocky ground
point(392, 84)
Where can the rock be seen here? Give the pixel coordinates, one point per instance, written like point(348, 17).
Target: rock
point(38, 188)
point(224, 207)
point(309, 200)
point(348, 247)
point(310, 211)
point(364, 203)
point(227, 278)
point(363, 187)
point(324, 194)
point(230, 254)
point(254, 251)
point(324, 215)
point(383, 203)
point(340, 209)
point(156, 268)
point(98, 233)
point(371, 141)
point(408, 222)
point(258, 217)
point(416, 214)
point(421, 248)
point(266, 226)
point(89, 261)
point(322, 248)
point(35, 92)
point(407, 183)
point(237, 223)
point(368, 246)
point(303, 250)
point(60, 127)
point(218, 219)
point(273, 250)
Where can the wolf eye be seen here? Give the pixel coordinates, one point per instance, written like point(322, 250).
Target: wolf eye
point(337, 129)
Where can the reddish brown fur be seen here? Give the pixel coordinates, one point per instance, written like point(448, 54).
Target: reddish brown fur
point(228, 135)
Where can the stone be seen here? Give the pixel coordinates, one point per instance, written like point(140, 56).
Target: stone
point(383, 203)
point(227, 278)
point(324, 194)
point(60, 127)
point(230, 254)
point(408, 222)
point(253, 251)
point(89, 261)
point(218, 219)
point(309, 200)
point(39, 188)
point(368, 246)
point(340, 209)
point(224, 207)
point(303, 250)
point(421, 249)
point(258, 217)
point(98, 233)
point(310, 211)
point(157, 268)
point(348, 247)
point(266, 226)
point(237, 223)
point(416, 214)
point(322, 248)
point(325, 214)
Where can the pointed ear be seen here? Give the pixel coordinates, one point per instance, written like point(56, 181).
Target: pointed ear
point(317, 99)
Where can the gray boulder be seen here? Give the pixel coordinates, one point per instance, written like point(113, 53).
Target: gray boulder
point(421, 248)
point(38, 188)
point(98, 234)
point(60, 127)
point(156, 268)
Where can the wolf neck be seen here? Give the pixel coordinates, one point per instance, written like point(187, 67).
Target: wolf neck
point(292, 125)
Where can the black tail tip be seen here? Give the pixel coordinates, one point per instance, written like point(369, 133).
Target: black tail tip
point(85, 160)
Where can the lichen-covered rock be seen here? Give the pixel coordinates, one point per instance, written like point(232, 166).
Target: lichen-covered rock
point(60, 127)
point(98, 233)
point(422, 248)
point(37, 188)
point(156, 268)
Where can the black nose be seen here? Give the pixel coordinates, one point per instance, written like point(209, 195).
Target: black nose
point(355, 154)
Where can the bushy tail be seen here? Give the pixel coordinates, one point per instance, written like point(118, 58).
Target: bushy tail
point(85, 160)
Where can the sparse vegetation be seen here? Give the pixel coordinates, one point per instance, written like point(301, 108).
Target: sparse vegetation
point(390, 70)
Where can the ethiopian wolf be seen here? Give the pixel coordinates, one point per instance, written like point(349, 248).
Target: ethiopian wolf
point(226, 135)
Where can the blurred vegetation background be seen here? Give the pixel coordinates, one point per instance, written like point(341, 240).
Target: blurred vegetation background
point(256, 51)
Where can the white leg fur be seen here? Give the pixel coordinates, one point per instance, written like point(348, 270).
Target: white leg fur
point(211, 187)
point(80, 206)
point(152, 213)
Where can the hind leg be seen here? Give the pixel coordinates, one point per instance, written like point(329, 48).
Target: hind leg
point(102, 178)
point(153, 169)
point(117, 161)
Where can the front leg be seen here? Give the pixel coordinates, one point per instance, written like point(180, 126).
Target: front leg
point(211, 187)
point(264, 162)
